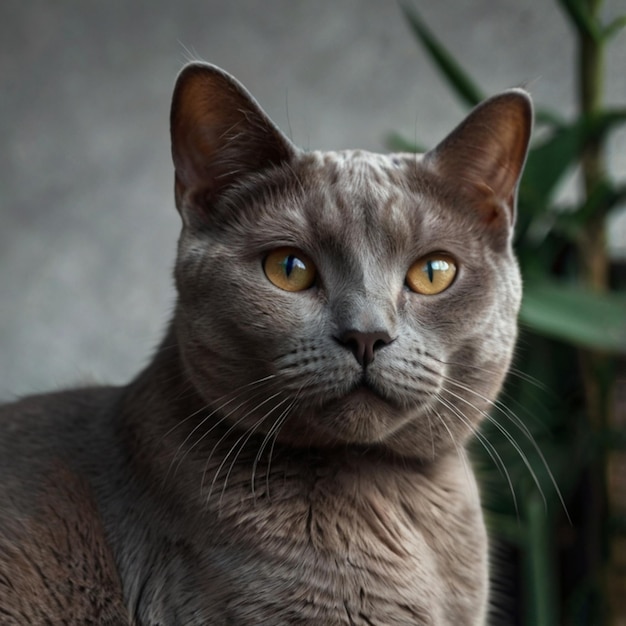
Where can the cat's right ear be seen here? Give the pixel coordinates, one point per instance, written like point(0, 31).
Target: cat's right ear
point(486, 153)
point(219, 134)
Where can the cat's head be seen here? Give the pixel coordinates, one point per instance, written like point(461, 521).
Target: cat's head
point(334, 298)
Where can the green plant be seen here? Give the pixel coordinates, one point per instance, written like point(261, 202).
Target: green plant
point(570, 538)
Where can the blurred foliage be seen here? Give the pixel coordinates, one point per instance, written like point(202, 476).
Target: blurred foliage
point(543, 457)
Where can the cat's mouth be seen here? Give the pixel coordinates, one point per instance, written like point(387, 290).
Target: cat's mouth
point(362, 415)
point(364, 388)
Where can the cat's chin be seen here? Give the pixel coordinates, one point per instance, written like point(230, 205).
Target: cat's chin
point(362, 416)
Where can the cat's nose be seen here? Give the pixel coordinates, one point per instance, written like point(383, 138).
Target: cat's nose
point(364, 345)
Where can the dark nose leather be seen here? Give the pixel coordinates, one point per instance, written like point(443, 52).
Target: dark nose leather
point(364, 345)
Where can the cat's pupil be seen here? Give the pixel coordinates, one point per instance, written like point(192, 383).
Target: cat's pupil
point(430, 270)
point(292, 262)
point(437, 265)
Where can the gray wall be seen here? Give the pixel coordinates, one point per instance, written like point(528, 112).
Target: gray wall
point(87, 222)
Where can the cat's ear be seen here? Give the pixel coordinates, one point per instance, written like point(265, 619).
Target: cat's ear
point(219, 135)
point(486, 153)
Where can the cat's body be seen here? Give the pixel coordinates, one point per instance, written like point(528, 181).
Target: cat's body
point(294, 452)
point(339, 538)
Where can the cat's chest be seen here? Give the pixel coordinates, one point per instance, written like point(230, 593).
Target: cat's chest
point(337, 545)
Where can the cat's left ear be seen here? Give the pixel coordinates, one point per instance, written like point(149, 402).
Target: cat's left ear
point(486, 153)
point(219, 136)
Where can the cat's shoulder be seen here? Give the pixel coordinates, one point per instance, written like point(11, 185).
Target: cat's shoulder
point(56, 565)
point(41, 433)
point(53, 546)
point(44, 420)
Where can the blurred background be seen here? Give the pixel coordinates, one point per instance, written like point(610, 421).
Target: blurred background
point(88, 227)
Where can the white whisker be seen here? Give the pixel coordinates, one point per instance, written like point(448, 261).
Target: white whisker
point(245, 437)
point(517, 422)
point(224, 436)
point(278, 424)
point(218, 409)
point(460, 452)
point(508, 437)
point(488, 446)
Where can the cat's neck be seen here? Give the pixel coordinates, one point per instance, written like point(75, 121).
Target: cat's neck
point(160, 404)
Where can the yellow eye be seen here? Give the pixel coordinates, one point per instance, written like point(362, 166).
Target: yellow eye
point(432, 274)
point(289, 269)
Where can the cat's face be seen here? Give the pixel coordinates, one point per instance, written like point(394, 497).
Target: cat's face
point(348, 297)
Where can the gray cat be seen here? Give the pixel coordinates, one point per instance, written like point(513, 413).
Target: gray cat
point(293, 454)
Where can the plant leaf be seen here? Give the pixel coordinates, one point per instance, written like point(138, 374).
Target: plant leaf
point(548, 118)
point(576, 315)
point(571, 221)
point(549, 161)
point(458, 78)
point(461, 82)
point(578, 12)
point(397, 143)
point(614, 27)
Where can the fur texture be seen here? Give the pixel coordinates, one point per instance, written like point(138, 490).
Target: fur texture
point(288, 457)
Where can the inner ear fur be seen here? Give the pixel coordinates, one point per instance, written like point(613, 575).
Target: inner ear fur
point(485, 154)
point(219, 133)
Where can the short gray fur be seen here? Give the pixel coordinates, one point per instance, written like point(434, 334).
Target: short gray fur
point(256, 472)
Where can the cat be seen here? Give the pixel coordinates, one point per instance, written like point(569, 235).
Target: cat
point(294, 452)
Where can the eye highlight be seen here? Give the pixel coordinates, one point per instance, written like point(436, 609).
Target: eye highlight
point(289, 269)
point(431, 274)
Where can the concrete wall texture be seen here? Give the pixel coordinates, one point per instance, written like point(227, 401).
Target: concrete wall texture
point(88, 227)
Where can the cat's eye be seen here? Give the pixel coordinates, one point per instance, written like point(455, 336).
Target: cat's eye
point(289, 269)
point(432, 274)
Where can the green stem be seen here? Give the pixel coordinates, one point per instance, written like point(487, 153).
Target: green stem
point(596, 367)
point(591, 82)
point(540, 569)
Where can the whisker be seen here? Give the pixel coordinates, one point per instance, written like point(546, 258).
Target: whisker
point(202, 422)
point(527, 378)
point(518, 423)
point(513, 371)
point(491, 450)
point(192, 389)
point(459, 450)
point(248, 434)
point(224, 436)
point(278, 424)
point(432, 439)
point(495, 404)
point(508, 437)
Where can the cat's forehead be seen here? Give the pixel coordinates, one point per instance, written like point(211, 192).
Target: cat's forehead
point(365, 181)
point(362, 166)
point(380, 180)
point(351, 158)
point(355, 190)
